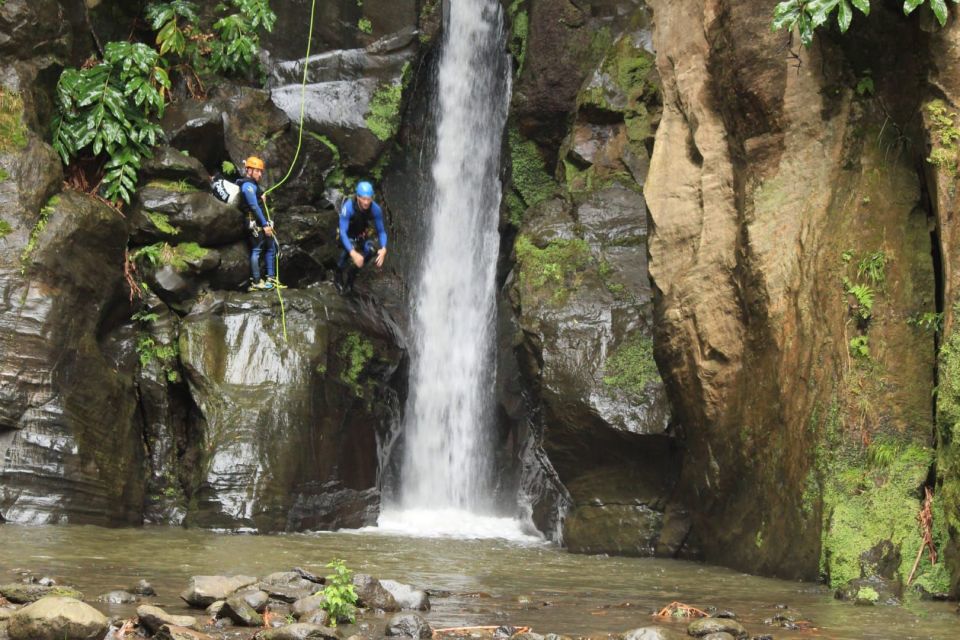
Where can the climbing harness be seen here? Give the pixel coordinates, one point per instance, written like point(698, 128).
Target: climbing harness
point(293, 163)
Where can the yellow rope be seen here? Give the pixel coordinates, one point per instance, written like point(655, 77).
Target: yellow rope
point(293, 163)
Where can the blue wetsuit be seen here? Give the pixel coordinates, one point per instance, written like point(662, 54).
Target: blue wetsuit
point(355, 231)
point(251, 193)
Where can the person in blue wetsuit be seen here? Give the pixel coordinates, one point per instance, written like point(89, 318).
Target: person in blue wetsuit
point(359, 216)
point(262, 239)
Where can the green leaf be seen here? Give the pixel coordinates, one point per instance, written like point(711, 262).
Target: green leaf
point(910, 5)
point(844, 16)
point(940, 10)
point(862, 5)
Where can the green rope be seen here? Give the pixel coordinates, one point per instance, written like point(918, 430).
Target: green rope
point(293, 163)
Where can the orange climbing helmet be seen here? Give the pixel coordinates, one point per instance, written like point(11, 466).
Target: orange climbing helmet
point(253, 162)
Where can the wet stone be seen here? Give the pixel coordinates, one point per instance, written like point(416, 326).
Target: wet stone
point(319, 617)
point(723, 635)
point(706, 626)
point(214, 609)
point(205, 590)
point(299, 631)
point(154, 617)
point(237, 609)
point(306, 575)
point(408, 624)
point(372, 595)
point(173, 632)
point(57, 618)
point(649, 633)
point(256, 599)
point(143, 588)
point(305, 606)
point(27, 593)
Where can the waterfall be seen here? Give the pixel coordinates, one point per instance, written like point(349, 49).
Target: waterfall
point(446, 473)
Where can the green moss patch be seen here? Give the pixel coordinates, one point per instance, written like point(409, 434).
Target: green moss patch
point(871, 495)
point(37, 231)
point(4, 175)
point(519, 32)
point(5, 228)
point(531, 182)
point(631, 367)
point(944, 134)
point(179, 186)
point(383, 119)
point(356, 351)
point(162, 223)
point(13, 133)
point(178, 256)
point(947, 499)
point(556, 269)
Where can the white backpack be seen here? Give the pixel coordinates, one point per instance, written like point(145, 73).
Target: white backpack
point(225, 190)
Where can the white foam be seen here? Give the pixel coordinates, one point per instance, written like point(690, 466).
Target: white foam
point(453, 523)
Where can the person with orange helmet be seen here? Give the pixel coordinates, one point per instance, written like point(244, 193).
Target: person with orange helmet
point(262, 240)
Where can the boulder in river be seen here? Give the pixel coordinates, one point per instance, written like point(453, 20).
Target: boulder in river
point(256, 598)
point(317, 616)
point(299, 631)
point(707, 626)
point(143, 588)
point(237, 609)
point(57, 618)
point(173, 632)
point(649, 633)
point(154, 617)
point(205, 590)
point(372, 595)
point(408, 624)
point(306, 606)
point(27, 593)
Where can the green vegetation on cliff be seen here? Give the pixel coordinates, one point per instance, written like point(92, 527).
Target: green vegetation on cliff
point(947, 499)
point(165, 355)
point(5, 228)
point(556, 269)
point(13, 133)
point(162, 223)
point(807, 15)
point(944, 136)
point(383, 119)
point(631, 367)
point(531, 182)
point(112, 107)
point(356, 351)
point(178, 256)
point(37, 231)
point(519, 32)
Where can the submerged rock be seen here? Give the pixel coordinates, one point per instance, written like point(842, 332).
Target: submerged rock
point(173, 632)
point(57, 618)
point(650, 633)
point(706, 626)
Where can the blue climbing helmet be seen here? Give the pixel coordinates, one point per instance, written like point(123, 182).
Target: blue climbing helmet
point(365, 189)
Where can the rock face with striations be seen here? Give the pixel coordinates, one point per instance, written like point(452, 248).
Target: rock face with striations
point(790, 247)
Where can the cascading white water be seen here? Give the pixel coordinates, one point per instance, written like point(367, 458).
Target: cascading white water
point(446, 473)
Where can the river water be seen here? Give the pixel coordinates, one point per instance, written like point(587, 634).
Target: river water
point(492, 582)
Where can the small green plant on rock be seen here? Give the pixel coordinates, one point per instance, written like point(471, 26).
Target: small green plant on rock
point(557, 267)
point(13, 133)
point(364, 25)
point(35, 234)
point(5, 228)
point(874, 267)
point(177, 256)
point(927, 321)
point(340, 597)
point(860, 347)
point(166, 355)
point(357, 351)
point(383, 119)
point(632, 367)
point(863, 295)
point(162, 223)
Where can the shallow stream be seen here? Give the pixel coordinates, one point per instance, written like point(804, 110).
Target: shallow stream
point(492, 582)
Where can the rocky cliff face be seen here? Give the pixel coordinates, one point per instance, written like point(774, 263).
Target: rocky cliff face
point(138, 382)
point(793, 268)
